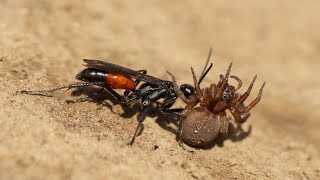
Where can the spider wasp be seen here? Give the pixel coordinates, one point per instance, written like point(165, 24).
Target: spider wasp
point(112, 76)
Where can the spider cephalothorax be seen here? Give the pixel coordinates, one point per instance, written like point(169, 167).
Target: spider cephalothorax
point(201, 125)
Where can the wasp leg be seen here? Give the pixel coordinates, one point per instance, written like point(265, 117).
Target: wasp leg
point(136, 82)
point(143, 116)
point(45, 92)
point(94, 96)
point(167, 104)
point(115, 95)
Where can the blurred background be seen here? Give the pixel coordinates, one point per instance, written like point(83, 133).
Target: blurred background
point(42, 44)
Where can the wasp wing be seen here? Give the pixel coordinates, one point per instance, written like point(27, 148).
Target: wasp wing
point(114, 68)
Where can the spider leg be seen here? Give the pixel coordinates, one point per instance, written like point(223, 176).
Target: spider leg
point(206, 96)
point(213, 89)
point(238, 80)
point(177, 90)
point(224, 123)
point(228, 70)
point(255, 101)
point(222, 83)
point(209, 94)
point(197, 87)
point(212, 92)
point(242, 112)
point(219, 91)
point(196, 84)
point(224, 79)
point(240, 117)
point(246, 94)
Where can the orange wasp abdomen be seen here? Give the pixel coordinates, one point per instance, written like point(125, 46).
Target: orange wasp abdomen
point(119, 81)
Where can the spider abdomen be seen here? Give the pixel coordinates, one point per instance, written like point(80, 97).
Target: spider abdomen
point(200, 127)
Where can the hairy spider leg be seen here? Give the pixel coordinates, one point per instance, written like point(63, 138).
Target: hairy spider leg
point(247, 93)
point(238, 80)
point(224, 122)
point(255, 101)
point(241, 112)
point(222, 83)
point(197, 87)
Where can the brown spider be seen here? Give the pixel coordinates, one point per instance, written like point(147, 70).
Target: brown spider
point(199, 126)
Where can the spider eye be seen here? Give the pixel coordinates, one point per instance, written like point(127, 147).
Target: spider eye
point(225, 97)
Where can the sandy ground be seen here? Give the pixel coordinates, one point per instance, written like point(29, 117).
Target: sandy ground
point(42, 44)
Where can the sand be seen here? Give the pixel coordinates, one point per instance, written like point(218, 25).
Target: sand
point(42, 44)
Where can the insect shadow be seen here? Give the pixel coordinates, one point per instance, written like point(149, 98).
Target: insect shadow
point(93, 94)
point(236, 133)
point(169, 123)
point(101, 97)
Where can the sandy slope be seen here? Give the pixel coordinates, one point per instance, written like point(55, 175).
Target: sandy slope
point(42, 44)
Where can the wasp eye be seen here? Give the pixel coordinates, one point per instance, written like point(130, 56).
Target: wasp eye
point(187, 90)
point(146, 102)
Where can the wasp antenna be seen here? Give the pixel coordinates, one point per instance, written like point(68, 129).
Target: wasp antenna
point(204, 75)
